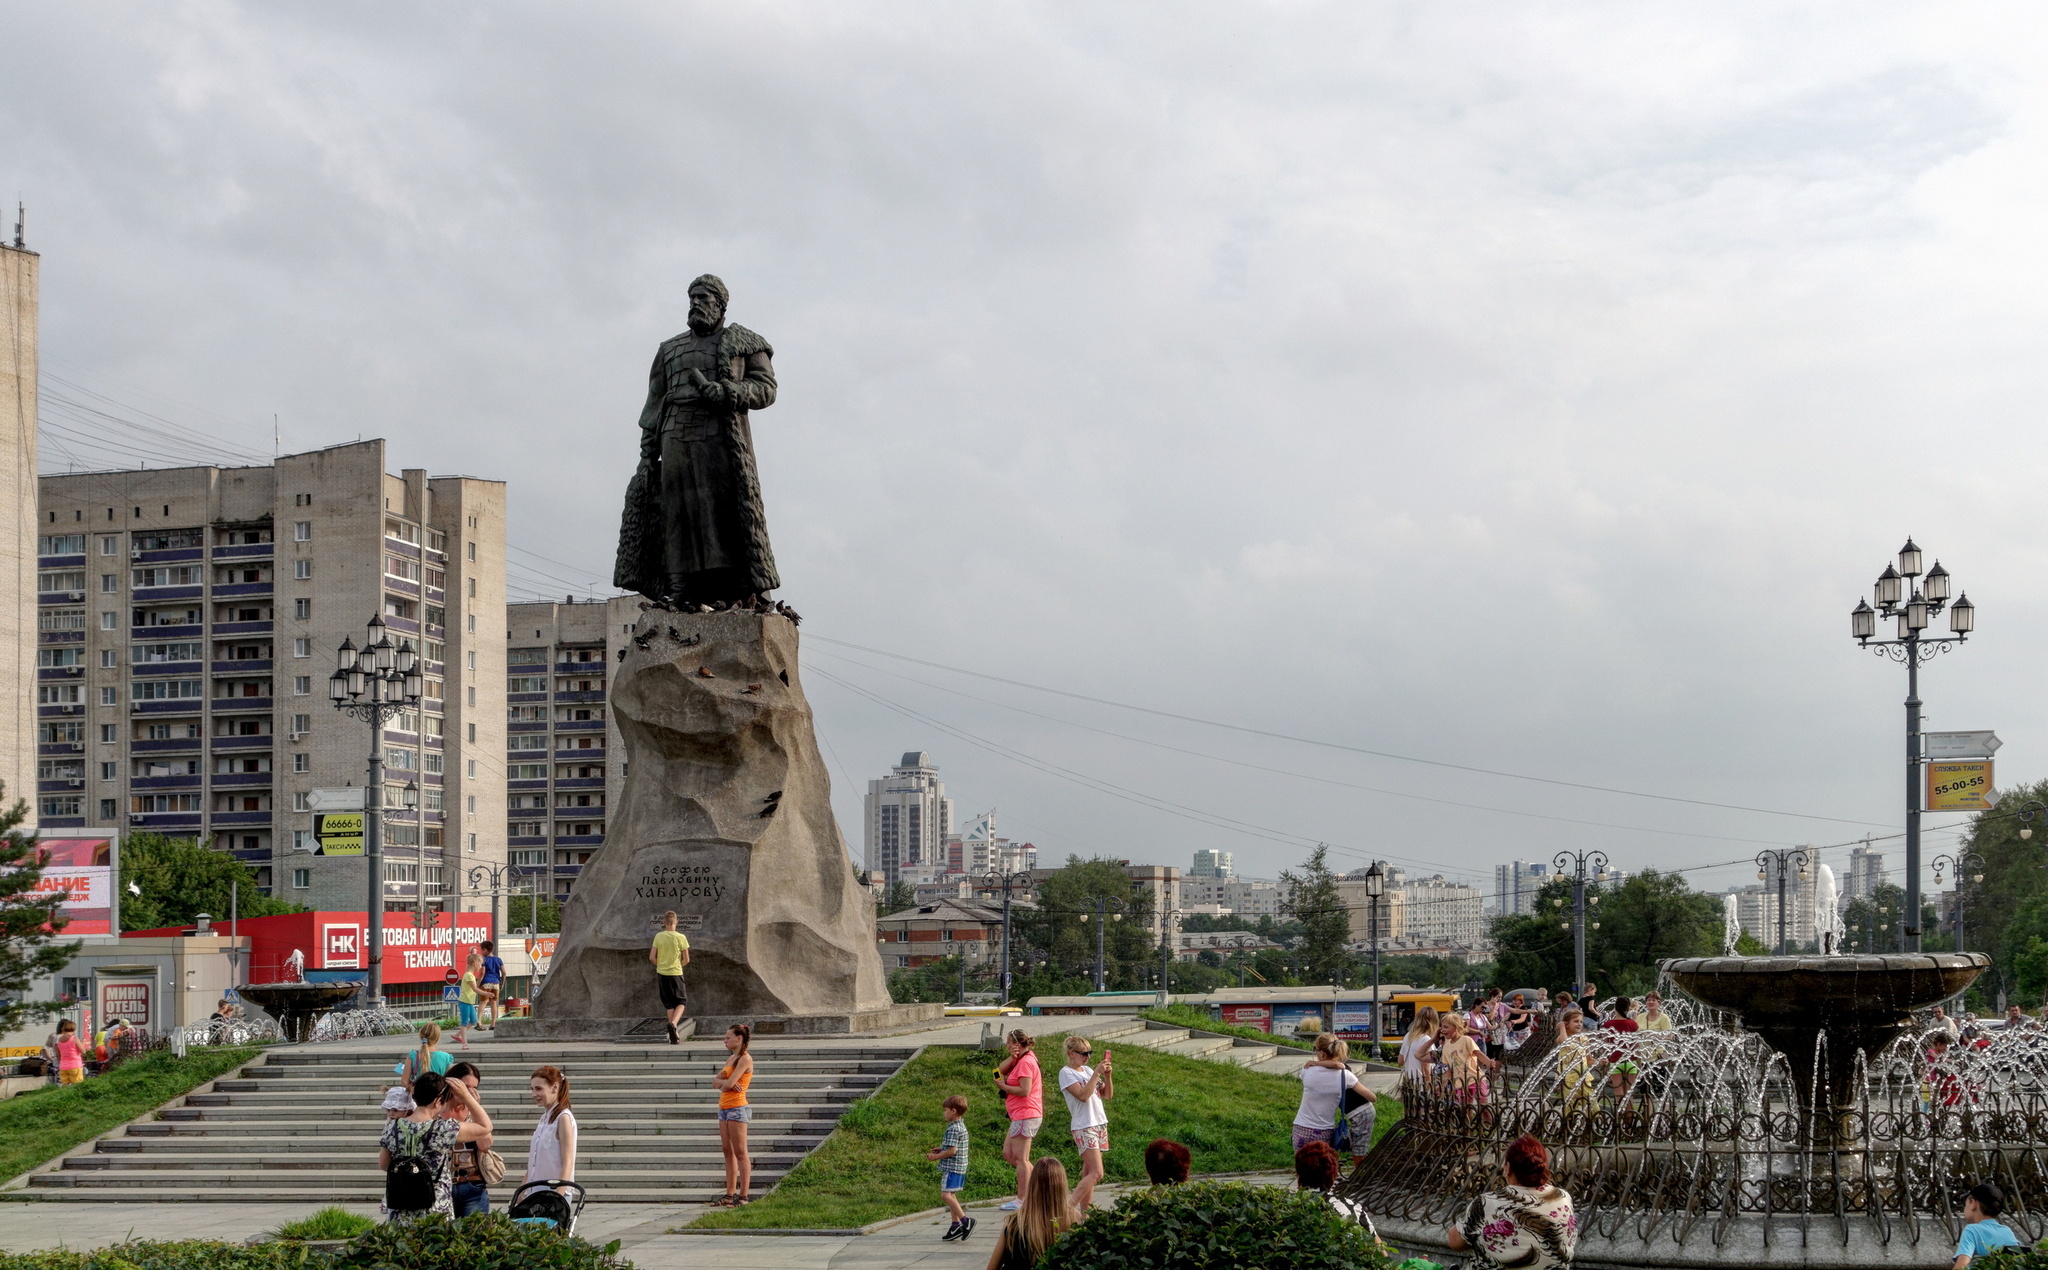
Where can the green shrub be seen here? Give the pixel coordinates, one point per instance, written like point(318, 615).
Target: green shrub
point(1217, 1226)
point(493, 1240)
point(184, 1254)
point(332, 1222)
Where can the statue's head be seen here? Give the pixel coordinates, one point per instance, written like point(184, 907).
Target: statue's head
point(708, 298)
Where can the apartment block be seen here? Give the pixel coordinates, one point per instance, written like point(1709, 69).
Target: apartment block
point(563, 763)
point(1515, 885)
point(188, 620)
point(908, 818)
point(1213, 864)
point(19, 275)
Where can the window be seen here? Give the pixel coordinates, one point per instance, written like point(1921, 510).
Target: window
point(529, 858)
point(109, 582)
point(527, 683)
point(472, 588)
point(437, 579)
point(76, 987)
point(471, 551)
point(436, 615)
point(470, 659)
point(527, 657)
point(300, 800)
point(61, 733)
point(152, 654)
point(147, 767)
point(402, 761)
point(302, 839)
point(62, 620)
point(472, 731)
point(110, 545)
point(436, 540)
point(51, 658)
point(302, 569)
point(470, 846)
point(434, 689)
point(169, 689)
point(110, 621)
point(471, 620)
point(110, 696)
point(52, 582)
point(109, 808)
point(472, 769)
point(302, 609)
point(302, 724)
point(470, 806)
point(472, 696)
point(434, 726)
point(433, 762)
point(61, 545)
point(430, 799)
point(61, 769)
point(402, 567)
point(433, 651)
point(401, 835)
point(402, 531)
point(302, 685)
point(302, 879)
point(302, 648)
point(528, 829)
point(527, 714)
point(397, 872)
point(302, 531)
point(302, 500)
point(398, 606)
point(110, 658)
point(110, 733)
point(158, 804)
point(302, 762)
point(405, 721)
point(110, 771)
point(59, 694)
point(175, 575)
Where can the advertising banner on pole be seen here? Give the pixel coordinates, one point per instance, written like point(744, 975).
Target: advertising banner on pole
point(339, 832)
point(1948, 745)
point(1960, 786)
point(83, 869)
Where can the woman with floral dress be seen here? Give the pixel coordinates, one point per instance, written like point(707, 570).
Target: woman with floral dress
point(431, 1137)
point(1527, 1223)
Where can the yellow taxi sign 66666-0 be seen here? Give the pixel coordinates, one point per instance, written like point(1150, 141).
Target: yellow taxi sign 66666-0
point(1963, 785)
point(339, 832)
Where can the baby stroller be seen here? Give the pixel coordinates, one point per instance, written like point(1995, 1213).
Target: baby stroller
point(545, 1204)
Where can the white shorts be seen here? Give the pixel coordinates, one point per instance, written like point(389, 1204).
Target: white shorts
point(1025, 1128)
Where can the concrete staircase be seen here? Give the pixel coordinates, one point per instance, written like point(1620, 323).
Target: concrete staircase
point(1275, 1060)
point(301, 1124)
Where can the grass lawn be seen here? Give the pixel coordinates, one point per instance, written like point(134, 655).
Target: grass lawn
point(47, 1122)
point(873, 1167)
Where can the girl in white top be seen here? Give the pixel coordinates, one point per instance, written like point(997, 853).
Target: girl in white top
point(1085, 1087)
point(551, 1156)
point(1415, 1047)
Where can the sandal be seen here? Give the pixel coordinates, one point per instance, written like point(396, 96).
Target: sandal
point(723, 1201)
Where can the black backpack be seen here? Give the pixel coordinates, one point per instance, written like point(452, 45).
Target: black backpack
point(409, 1182)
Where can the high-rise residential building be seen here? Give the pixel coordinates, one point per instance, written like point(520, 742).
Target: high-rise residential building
point(1864, 874)
point(1242, 897)
point(1212, 864)
point(1358, 907)
point(1440, 912)
point(19, 275)
point(908, 818)
point(1756, 905)
point(563, 766)
point(1515, 885)
point(188, 623)
point(977, 849)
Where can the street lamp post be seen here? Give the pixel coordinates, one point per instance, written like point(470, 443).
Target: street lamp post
point(1114, 908)
point(1007, 881)
point(374, 683)
point(1963, 862)
point(1375, 886)
point(1579, 860)
point(496, 874)
point(1914, 610)
point(1166, 920)
point(1781, 861)
point(1241, 943)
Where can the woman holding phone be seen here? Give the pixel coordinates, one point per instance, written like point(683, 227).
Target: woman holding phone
point(1086, 1088)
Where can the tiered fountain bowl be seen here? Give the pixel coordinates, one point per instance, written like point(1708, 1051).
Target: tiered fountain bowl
point(299, 1007)
point(1792, 1118)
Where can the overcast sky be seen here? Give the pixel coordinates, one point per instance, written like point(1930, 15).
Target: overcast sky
point(1532, 389)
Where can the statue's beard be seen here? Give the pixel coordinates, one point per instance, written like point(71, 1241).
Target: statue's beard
point(704, 319)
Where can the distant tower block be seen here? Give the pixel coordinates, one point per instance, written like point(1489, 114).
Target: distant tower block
point(18, 315)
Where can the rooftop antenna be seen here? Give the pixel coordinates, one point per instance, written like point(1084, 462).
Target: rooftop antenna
point(20, 225)
point(275, 444)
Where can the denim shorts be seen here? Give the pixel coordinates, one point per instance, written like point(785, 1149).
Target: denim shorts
point(951, 1182)
point(742, 1114)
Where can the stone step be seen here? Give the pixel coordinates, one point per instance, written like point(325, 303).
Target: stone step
point(1149, 1038)
point(263, 1179)
point(583, 1088)
point(316, 1056)
point(610, 1119)
point(1199, 1047)
point(1246, 1055)
point(251, 1093)
point(598, 1160)
point(1285, 1062)
point(247, 1135)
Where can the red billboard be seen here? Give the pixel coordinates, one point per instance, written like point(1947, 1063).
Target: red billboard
point(333, 944)
point(82, 868)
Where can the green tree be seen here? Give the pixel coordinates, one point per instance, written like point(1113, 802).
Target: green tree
point(896, 897)
point(1748, 945)
point(1061, 928)
point(29, 922)
point(1870, 924)
point(1650, 917)
point(179, 879)
point(519, 915)
point(1312, 900)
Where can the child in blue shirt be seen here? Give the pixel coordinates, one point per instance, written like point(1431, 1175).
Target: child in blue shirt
point(1983, 1233)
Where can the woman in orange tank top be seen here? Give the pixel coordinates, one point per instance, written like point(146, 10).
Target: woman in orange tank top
point(733, 1114)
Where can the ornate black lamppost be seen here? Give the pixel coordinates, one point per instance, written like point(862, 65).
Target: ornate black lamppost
point(1579, 860)
point(1781, 860)
point(1914, 610)
point(1007, 881)
point(1106, 911)
point(375, 683)
point(1968, 866)
point(1375, 886)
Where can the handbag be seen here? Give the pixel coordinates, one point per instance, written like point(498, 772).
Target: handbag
point(491, 1167)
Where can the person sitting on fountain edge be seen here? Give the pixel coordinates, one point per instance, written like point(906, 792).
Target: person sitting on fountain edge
point(1983, 1232)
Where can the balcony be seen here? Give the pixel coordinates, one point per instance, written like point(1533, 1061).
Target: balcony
point(568, 870)
point(55, 748)
point(261, 741)
point(169, 555)
point(240, 705)
point(60, 672)
point(173, 630)
point(245, 551)
point(60, 562)
point(253, 666)
point(159, 594)
point(60, 597)
point(517, 698)
point(596, 696)
point(175, 705)
point(579, 725)
point(594, 669)
point(167, 668)
point(400, 547)
point(140, 783)
point(60, 785)
point(540, 784)
point(63, 637)
point(579, 840)
point(401, 586)
point(240, 819)
point(53, 712)
point(239, 590)
point(238, 628)
point(164, 820)
point(238, 780)
point(595, 753)
point(175, 743)
point(579, 782)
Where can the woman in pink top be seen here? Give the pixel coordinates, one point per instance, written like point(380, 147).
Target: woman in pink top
point(1018, 1078)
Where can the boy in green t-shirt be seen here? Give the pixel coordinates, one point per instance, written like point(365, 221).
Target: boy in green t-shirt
point(671, 952)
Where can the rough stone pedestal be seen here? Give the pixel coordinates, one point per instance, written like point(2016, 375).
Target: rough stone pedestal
point(727, 819)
